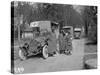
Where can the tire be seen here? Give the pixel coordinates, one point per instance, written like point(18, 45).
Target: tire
point(45, 52)
point(22, 54)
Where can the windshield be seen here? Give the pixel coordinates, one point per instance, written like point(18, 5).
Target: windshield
point(66, 30)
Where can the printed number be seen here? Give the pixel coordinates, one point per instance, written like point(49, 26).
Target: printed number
point(18, 70)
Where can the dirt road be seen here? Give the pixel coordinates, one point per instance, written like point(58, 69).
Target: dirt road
point(57, 63)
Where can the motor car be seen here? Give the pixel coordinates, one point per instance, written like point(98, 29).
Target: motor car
point(77, 33)
point(43, 42)
point(34, 47)
point(65, 41)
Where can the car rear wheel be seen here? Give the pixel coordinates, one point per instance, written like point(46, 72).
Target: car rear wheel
point(22, 54)
point(45, 52)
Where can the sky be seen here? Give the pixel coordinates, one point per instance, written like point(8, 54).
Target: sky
point(79, 8)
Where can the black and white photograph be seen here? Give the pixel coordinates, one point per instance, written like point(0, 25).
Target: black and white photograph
point(52, 37)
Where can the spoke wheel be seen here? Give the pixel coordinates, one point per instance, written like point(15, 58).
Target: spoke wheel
point(22, 54)
point(45, 52)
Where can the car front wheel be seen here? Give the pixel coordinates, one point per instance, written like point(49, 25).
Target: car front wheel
point(45, 52)
point(22, 54)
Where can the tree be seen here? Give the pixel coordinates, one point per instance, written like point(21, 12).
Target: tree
point(90, 19)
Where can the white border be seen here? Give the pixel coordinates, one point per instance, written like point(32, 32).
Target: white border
point(5, 35)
